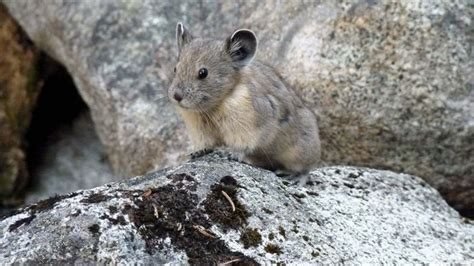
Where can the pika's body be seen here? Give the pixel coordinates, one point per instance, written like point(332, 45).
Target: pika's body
point(228, 99)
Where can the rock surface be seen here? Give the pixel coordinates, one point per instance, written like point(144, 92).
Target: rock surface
point(390, 81)
point(19, 88)
point(180, 215)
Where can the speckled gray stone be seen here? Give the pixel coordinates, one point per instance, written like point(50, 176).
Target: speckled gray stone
point(345, 214)
point(391, 81)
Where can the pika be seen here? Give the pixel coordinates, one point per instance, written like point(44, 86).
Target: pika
point(228, 98)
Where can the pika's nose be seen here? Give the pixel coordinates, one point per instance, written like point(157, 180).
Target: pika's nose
point(178, 97)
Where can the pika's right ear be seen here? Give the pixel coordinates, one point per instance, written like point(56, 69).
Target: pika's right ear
point(183, 36)
point(242, 47)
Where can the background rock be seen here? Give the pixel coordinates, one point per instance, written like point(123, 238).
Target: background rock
point(345, 214)
point(72, 158)
point(19, 88)
point(390, 81)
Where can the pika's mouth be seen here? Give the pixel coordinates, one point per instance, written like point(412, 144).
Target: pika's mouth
point(189, 108)
point(182, 105)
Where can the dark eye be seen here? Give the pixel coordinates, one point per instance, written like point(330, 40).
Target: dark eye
point(174, 69)
point(202, 73)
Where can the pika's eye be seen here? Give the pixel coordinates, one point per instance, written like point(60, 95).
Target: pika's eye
point(174, 69)
point(202, 73)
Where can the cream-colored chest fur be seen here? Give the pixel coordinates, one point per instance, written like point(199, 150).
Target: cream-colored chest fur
point(233, 123)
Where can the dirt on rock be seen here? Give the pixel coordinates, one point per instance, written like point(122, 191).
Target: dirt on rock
point(174, 213)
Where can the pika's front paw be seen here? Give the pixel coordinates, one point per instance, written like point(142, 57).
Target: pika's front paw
point(294, 178)
point(284, 173)
point(240, 158)
point(200, 153)
point(233, 157)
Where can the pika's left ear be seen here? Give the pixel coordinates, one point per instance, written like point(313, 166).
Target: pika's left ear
point(242, 47)
point(183, 36)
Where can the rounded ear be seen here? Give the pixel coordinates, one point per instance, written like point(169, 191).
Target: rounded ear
point(242, 47)
point(183, 36)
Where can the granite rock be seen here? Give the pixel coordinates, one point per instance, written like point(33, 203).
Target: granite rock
point(390, 81)
point(180, 215)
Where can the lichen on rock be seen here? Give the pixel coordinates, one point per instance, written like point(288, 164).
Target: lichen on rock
point(347, 214)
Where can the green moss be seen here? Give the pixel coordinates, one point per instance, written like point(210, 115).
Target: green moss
point(306, 238)
point(251, 238)
point(282, 231)
point(219, 209)
point(21, 222)
point(295, 227)
point(112, 209)
point(183, 212)
point(119, 220)
point(95, 198)
point(94, 229)
point(49, 203)
point(273, 249)
point(271, 236)
point(299, 195)
point(267, 210)
point(316, 253)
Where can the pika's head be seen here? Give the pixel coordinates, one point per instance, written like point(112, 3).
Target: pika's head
point(208, 69)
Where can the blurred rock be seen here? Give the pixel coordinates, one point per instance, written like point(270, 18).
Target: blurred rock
point(390, 81)
point(180, 216)
point(72, 158)
point(19, 88)
point(64, 152)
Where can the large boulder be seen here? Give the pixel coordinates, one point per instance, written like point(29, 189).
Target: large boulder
point(212, 210)
point(19, 88)
point(391, 81)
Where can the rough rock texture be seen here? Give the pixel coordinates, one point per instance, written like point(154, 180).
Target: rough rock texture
point(73, 158)
point(19, 89)
point(178, 215)
point(390, 81)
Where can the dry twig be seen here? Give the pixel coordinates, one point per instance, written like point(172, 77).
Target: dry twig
point(147, 193)
point(203, 231)
point(155, 211)
point(229, 200)
point(229, 262)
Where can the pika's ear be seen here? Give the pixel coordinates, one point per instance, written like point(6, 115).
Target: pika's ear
point(183, 36)
point(242, 47)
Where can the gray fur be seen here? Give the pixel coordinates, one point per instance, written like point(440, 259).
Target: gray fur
point(288, 138)
point(207, 93)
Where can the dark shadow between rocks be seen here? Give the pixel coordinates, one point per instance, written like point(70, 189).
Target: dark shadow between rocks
point(59, 103)
point(64, 153)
